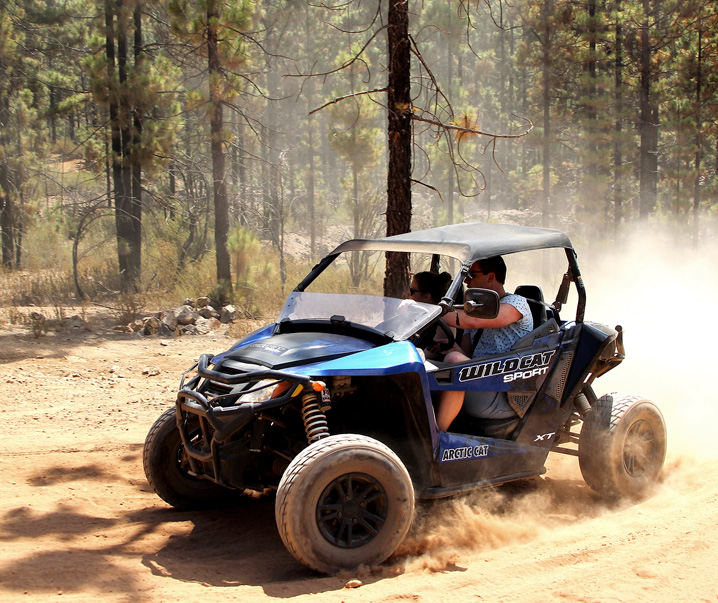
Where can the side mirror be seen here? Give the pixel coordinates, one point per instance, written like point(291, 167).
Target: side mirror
point(481, 303)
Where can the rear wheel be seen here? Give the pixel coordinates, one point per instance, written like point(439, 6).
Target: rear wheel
point(167, 469)
point(622, 446)
point(345, 501)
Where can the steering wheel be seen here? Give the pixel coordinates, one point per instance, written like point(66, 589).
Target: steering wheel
point(445, 347)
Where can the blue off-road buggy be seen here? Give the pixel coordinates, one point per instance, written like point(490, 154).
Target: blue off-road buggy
point(333, 404)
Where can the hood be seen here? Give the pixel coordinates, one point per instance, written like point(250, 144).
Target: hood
point(292, 349)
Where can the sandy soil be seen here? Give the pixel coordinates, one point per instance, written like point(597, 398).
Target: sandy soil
point(78, 521)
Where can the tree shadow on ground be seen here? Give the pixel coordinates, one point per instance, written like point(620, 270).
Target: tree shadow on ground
point(73, 570)
point(228, 547)
point(63, 522)
point(235, 546)
point(20, 345)
point(55, 475)
point(76, 566)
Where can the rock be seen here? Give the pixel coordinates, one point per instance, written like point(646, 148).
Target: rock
point(188, 330)
point(151, 371)
point(169, 319)
point(354, 584)
point(202, 302)
point(208, 312)
point(184, 315)
point(152, 326)
point(188, 302)
point(228, 314)
point(137, 325)
point(205, 325)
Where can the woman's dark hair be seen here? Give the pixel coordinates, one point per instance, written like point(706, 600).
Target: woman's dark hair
point(434, 284)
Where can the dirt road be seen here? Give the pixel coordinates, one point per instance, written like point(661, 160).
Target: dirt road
point(78, 521)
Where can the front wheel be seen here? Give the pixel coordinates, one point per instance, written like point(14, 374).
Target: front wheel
point(167, 469)
point(344, 501)
point(622, 446)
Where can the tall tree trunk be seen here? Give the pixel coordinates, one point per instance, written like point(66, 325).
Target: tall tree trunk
point(243, 189)
point(117, 62)
point(112, 85)
point(618, 125)
point(546, 83)
point(311, 194)
point(136, 165)
point(698, 136)
point(398, 209)
point(648, 124)
point(219, 186)
point(7, 205)
point(450, 174)
point(355, 258)
point(7, 215)
point(265, 175)
point(53, 114)
point(123, 183)
point(311, 152)
point(591, 100)
point(109, 130)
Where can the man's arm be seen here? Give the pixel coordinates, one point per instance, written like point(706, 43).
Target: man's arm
point(507, 315)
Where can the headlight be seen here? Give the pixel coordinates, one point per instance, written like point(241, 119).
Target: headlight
point(270, 388)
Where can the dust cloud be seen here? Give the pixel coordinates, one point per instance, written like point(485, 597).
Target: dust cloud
point(663, 295)
point(447, 530)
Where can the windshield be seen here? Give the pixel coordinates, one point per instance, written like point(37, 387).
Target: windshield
point(397, 318)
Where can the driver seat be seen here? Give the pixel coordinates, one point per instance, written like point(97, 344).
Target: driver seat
point(534, 296)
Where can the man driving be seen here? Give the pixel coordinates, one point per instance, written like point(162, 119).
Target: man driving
point(485, 337)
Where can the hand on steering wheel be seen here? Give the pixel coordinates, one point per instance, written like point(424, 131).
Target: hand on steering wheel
point(445, 346)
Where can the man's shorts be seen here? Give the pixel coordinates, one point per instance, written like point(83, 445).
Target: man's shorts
point(488, 405)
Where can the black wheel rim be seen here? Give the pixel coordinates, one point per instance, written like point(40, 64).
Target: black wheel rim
point(639, 449)
point(352, 510)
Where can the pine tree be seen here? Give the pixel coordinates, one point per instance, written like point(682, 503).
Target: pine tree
point(690, 108)
point(214, 27)
point(399, 106)
point(547, 50)
point(23, 137)
point(10, 83)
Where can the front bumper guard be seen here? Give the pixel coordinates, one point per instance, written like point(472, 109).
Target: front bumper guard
point(219, 423)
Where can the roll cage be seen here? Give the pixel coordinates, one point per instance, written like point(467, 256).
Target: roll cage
point(469, 243)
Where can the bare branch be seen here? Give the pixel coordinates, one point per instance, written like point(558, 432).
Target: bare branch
point(433, 188)
point(470, 131)
point(341, 98)
point(437, 88)
point(346, 64)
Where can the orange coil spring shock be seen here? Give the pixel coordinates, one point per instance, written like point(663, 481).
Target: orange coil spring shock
point(315, 421)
